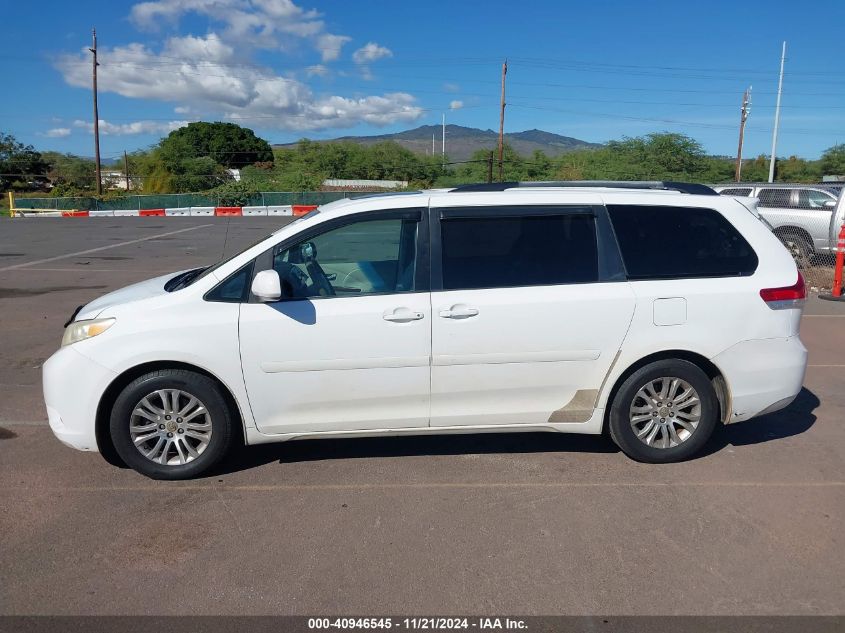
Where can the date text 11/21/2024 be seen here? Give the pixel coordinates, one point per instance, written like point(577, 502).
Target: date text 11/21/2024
point(418, 624)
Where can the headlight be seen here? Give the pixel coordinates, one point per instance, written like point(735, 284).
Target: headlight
point(81, 330)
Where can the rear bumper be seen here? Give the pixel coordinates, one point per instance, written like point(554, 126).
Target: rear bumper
point(73, 385)
point(763, 375)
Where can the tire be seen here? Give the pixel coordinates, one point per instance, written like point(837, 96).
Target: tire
point(146, 416)
point(800, 249)
point(633, 408)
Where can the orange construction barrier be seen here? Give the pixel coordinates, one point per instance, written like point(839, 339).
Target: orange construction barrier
point(228, 211)
point(836, 291)
point(151, 212)
point(302, 209)
point(840, 260)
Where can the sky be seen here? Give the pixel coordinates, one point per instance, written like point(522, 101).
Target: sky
point(290, 69)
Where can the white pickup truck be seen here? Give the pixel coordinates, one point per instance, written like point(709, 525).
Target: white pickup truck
point(806, 218)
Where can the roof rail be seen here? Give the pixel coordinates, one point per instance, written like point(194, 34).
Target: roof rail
point(665, 185)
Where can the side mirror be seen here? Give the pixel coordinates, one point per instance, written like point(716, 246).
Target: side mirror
point(267, 286)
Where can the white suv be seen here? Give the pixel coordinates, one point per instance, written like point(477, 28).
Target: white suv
point(652, 311)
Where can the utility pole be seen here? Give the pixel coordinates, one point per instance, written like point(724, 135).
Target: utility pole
point(743, 116)
point(777, 117)
point(93, 49)
point(432, 143)
point(126, 169)
point(502, 125)
point(443, 147)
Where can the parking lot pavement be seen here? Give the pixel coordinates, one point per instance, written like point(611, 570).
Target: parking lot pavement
point(523, 524)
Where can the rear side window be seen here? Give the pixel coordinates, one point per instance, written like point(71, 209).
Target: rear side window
point(775, 197)
point(673, 242)
point(739, 191)
point(500, 252)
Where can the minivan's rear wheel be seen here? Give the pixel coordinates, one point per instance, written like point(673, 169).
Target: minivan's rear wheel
point(664, 412)
point(171, 424)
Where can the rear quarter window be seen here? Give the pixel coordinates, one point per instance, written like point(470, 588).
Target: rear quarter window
point(738, 191)
point(661, 242)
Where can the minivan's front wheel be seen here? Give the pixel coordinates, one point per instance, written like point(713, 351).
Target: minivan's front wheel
point(664, 412)
point(171, 424)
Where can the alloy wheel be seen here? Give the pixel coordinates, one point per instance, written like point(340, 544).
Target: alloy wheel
point(170, 427)
point(665, 412)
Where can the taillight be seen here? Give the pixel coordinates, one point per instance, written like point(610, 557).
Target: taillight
point(785, 297)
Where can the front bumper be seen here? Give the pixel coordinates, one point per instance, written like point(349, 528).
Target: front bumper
point(763, 375)
point(73, 385)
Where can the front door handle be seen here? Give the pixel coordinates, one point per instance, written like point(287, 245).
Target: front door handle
point(459, 311)
point(402, 315)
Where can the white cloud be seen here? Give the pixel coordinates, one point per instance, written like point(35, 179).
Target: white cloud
point(57, 132)
point(329, 46)
point(136, 127)
point(317, 70)
point(451, 87)
point(209, 48)
point(370, 52)
point(247, 23)
point(456, 104)
point(216, 73)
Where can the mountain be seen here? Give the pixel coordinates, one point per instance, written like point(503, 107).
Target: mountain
point(462, 142)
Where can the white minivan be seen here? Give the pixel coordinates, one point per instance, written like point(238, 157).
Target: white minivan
point(651, 311)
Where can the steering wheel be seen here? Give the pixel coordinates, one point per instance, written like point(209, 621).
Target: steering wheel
point(320, 279)
point(294, 281)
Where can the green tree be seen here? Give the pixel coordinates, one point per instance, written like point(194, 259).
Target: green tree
point(755, 169)
point(794, 169)
point(69, 172)
point(832, 162)
point(307, 165)
point(197, 174)
point(657, 156)
point(515, 167)
point(21, 167)
point(226, 144)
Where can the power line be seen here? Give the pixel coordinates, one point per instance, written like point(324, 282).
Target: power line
point(715, 126)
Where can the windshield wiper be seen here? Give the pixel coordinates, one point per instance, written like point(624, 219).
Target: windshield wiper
point(184, 280)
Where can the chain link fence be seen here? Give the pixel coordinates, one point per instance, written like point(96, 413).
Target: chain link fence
point(802, 216)
point(176, 200)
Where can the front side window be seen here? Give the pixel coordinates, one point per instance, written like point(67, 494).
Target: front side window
point(813, 199)
point(775, 197)
point(660, 242)
point(531, 250)
point(357, 259)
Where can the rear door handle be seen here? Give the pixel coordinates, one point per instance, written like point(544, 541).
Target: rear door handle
point(402, 315)
point(459, 311)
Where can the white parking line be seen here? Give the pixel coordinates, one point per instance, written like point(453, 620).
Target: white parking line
point(101, 248)
point(86, 269)
point(177, 487)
